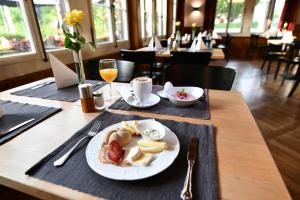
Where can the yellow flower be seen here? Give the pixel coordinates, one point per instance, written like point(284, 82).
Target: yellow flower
point(193, 24)
point(73, 17)
point(178, 23)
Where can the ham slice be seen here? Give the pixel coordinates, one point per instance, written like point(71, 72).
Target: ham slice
point(112, 153)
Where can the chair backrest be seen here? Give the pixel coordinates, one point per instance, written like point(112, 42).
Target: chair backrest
point(228, 40)
point(164, 43)
point(296, 44)
point(186, 57)
point(294, 50)
point(274, 48)
point(138, 57)
point(254, 39)
point(275, 38)
point(211, 77)
point(125, 70)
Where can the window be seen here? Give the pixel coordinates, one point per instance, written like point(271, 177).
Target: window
point(15, 35)
point(146, 18)
point(279, 4)
point(161, 23)
point(229, 15)
point(50, 18)
point(102, 20)
point(259, 18)
point(121, 19)
point(110, 16)
point(153, 21)
point(174, 15)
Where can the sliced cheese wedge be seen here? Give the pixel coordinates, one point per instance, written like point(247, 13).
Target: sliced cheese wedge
point(144, 160)
point(148, 143)
point(151, 149)
point(134, 154)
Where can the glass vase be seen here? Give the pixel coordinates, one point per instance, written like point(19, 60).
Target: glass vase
point(79, 66)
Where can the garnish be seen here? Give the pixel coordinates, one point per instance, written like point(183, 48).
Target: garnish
point(181, 94)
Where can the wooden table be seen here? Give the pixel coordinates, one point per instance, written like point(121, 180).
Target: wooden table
point(217, 54)
point(246, 169)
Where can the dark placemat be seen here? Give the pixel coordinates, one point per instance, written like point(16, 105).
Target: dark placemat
point(50, 91)
point(168, 184)
point(16, 113)
point(198, 110)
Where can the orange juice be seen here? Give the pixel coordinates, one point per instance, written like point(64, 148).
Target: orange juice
point(109, 75)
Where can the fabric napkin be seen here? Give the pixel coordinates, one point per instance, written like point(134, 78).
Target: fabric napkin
point(16, 113)
point(64, 76)
point(156, 45)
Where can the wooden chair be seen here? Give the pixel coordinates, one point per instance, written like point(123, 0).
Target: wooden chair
point(143, 58)
point(273, 53)
point(295, 78)
point(226, 46)
point(292, 58)
point(185, 57)
point(255, 45)
point(125, 70)
point(211, 77)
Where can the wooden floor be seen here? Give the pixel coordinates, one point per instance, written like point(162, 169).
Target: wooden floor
point(277, 116)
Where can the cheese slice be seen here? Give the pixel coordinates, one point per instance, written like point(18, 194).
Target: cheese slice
point(144, 160)
point(148, 143)
point(151, 149)
point(134, 154)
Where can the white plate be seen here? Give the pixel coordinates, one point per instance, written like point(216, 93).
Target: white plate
point(161, 162)
point(162, 94)
point(125, 92)
point(151, 101)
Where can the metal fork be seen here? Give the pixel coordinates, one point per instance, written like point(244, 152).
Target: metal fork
point(91, 133)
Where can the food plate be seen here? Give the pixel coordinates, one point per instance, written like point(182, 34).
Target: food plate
point(161, 162)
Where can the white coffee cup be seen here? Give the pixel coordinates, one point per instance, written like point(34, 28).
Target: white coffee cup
point(142, 88)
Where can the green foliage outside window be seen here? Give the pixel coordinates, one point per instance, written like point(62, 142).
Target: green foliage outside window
point(17, 22)
point(48, 21)
point(101, 22)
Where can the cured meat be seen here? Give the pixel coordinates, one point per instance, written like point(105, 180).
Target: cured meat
point(112, 153)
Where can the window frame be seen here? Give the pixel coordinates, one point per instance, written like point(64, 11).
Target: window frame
point(114, 43)
point(228, 16)
point(248, 18)
point(24, 56)
point(266, 17)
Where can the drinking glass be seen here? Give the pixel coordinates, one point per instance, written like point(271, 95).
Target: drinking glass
point(108, 71)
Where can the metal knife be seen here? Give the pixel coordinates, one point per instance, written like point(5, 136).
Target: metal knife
point(186, 192)
point(42, 84)
point(16, 127)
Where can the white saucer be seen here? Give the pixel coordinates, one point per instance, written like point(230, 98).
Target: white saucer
point(162, 94)
point(152, 101)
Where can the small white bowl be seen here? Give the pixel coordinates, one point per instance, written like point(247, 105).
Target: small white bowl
point(151, 124)
point(196, 92)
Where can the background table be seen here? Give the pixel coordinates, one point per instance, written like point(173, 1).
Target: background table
point(246, 169)
point(217, 54)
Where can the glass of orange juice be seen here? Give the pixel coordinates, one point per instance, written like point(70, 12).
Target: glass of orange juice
point(108, 71)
